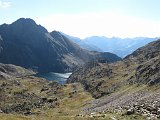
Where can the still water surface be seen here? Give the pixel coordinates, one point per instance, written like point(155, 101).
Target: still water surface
point(59, 77)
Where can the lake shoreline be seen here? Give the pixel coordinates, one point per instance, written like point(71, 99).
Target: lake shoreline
point(52, 76)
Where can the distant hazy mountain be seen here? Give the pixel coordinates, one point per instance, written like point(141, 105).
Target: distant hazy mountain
point(29, 45)
point(82, 43)
point(120, 47)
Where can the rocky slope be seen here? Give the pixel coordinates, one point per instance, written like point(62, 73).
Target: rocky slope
point(20, 92)
point(26, 44)
point(25, 97)
point(148, 59)
point(117, 92)
point(8, 71)
point(130, 86)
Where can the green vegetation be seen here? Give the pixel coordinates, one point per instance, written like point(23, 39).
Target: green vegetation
point(125, 90)
point(71, 99)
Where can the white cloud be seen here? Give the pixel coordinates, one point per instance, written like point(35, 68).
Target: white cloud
point(5, 4)
point(103, 24)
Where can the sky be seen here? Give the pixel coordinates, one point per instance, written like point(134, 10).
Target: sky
point(84, 18)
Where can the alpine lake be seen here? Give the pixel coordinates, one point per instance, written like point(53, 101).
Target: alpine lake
point(59, 77)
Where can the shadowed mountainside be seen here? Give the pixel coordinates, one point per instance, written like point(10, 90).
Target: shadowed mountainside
point(29, 45)
point(83, 44)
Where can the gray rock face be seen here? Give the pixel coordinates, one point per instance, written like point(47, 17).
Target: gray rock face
point(148, 58)
point(8, 71)
point(29, 45)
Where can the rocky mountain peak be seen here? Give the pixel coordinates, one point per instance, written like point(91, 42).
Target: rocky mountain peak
point(27, 25)
point(30, 45)
point(24, 21)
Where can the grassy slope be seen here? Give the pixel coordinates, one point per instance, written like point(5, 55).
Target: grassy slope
point(72, 98)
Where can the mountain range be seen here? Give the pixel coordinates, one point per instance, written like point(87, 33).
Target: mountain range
point(101, 86)
point(26, 44)
point(119, 46)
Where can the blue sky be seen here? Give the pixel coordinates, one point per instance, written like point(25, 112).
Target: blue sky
point(83, 18)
